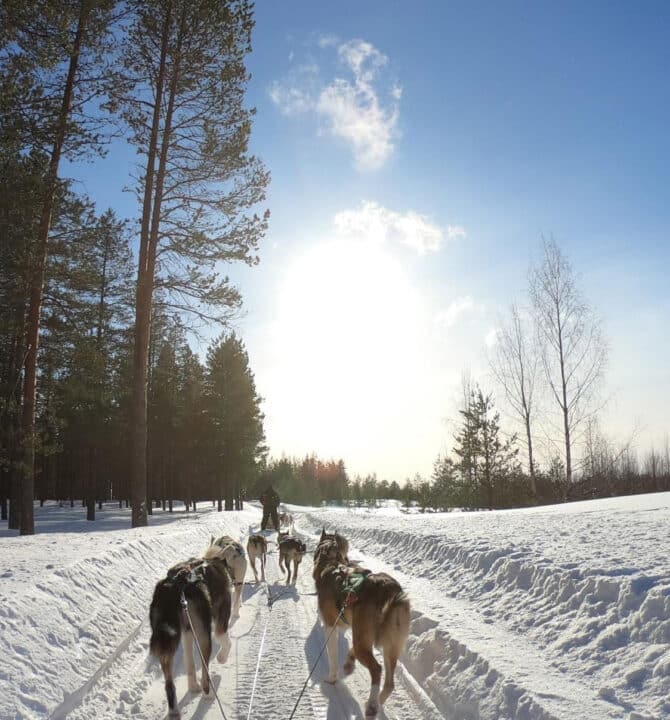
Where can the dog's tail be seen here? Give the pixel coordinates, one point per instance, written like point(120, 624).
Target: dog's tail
point(214, 552)
point(394, 624)
point(164, 615)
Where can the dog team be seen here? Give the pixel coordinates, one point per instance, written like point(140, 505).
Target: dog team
point(196, 596)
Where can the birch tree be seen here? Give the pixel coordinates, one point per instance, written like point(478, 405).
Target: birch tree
point(573, 346)
point(515, 365)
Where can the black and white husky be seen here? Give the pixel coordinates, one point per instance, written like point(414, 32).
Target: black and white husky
point(233, 554)
point(257, 547)
point(291, 550)
point(205, 585)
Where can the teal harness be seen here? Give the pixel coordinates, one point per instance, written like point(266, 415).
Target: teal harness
point(351, 586)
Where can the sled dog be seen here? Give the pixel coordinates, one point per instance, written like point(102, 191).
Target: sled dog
point(373, 605)
point(291, 550)
point(286, 519)
point(342, 542)
point(206, 588)
point(257, 547)
point(236, 562)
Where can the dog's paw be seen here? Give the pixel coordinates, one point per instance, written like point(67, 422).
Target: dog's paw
point(174, 713)
point(371, 709)
point(193, 686)
point(331, 679)
point(205, 688)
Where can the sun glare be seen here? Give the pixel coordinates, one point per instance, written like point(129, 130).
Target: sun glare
point(347, 351)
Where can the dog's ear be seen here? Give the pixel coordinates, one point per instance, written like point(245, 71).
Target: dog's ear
point(323, 534)
point(211, 539)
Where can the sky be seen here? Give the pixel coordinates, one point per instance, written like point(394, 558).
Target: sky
point(419, 152)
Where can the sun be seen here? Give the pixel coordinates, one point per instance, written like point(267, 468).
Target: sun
point(346, 347)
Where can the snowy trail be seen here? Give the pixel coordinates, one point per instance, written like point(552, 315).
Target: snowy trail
point(132, 685)
point(559, 613)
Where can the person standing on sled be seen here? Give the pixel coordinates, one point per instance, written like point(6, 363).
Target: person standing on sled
point(270, 503)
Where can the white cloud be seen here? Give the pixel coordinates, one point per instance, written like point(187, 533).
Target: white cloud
point(353, 109)
point(455, 232)
point(328, 41)
point(378, 225)
point(295, 95)
point(448, 317)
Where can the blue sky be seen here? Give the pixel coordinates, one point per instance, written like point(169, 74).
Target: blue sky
point(418, 151)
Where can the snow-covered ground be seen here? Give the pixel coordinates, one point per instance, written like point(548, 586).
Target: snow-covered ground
point(554, 612)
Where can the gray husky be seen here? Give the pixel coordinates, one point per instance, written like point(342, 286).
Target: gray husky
point(291, 550)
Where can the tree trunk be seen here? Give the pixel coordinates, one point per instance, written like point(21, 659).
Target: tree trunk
point(36, 291)
point(564, 406)
point(138, 433)
point(13, 402)
point(531, 462)
point(90, 500)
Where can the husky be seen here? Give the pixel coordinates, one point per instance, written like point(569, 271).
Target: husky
point(342, 542)
point(286, 519)
point(206, 588)
point(373, 605)
point(290, 550)
point(257, 547)
point(236, 562)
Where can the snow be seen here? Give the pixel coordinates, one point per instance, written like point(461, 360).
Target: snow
point(550, 612)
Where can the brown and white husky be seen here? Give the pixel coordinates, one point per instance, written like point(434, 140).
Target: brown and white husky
point(257, 547)
point(233, 554)
point(373, 605)
point(206, 587)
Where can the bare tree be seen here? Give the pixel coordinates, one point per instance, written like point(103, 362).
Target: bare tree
point(514, 364)
point(573, 347)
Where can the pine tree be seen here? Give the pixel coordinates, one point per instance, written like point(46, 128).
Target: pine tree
point(181, 93)
point(235, 420)
point(485, 458)
point(47, 46)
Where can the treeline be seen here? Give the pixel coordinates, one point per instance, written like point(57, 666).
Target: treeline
point(484, 469)
point(97, 383)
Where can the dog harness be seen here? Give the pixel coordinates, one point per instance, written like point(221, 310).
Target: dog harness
point(353, 584)
point(193, 571)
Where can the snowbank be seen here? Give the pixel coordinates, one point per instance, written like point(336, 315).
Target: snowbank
point(69, 598)
point(583, 590)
